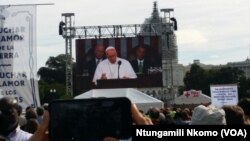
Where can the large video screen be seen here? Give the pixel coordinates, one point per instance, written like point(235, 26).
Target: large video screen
point(127, 48)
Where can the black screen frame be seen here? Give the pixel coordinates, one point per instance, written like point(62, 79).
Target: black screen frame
point(120, 128)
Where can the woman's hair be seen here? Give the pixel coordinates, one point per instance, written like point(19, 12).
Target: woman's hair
point(31, 126)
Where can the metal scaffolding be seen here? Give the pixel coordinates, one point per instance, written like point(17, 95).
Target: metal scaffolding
point(163, 29)
point(68, 34)
point(115, 31)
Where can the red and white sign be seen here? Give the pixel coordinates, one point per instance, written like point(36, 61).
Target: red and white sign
point(192, 93)
point(193, 97)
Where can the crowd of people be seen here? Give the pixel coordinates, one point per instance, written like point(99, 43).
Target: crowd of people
point(203, 115)
point(33, 124)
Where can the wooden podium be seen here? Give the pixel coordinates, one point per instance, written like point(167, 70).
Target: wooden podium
point(84, 83)
point(116, 83)
point(142, 81)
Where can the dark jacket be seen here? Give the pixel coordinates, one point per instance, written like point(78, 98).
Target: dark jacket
point(135, 65)
point(91, 66)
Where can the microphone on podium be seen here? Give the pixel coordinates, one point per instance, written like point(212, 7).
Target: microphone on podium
point(119, 64)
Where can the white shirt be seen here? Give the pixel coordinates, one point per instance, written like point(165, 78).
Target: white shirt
point(138, 60)
point(111, 70)
point(19, 135)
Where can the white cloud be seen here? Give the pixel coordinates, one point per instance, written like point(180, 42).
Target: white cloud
point(215, 56)
point(191, 36)
point(44, 52)
point(206, 27)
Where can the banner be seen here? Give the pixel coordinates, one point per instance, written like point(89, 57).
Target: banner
point(18, 54)
point(224, 95)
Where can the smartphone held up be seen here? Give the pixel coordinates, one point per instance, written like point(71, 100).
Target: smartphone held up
point(90, 119)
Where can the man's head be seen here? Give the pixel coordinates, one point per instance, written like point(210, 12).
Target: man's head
point(111, 54)
point(39, 111)
point(234, 115)
point(30, 114)
point(8, 115)
point(99, 51)
point(210, 115)
point(245, 105)
point(140, 52)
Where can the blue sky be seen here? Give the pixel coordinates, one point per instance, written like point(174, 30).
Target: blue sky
point(214, 31)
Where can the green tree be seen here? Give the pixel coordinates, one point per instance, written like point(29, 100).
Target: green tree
point(49, 92)
point(200, 79)
point(181, 89)
point(195, 78)
point(53, 76)
point(228, 75)
point(54, 71)
point(244, 89)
